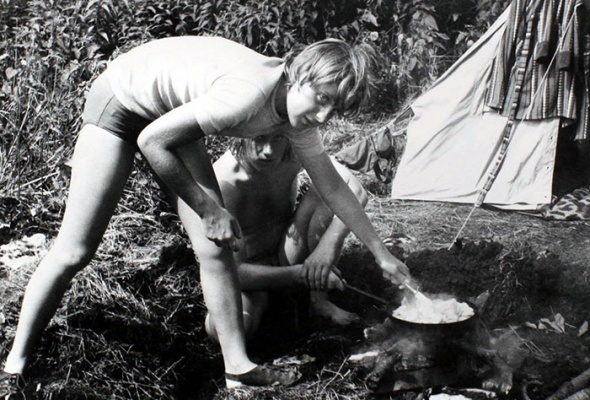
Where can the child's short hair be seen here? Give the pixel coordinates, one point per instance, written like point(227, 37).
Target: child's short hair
point(334, 61)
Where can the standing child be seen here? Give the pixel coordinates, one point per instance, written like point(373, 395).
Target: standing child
point(162, 98)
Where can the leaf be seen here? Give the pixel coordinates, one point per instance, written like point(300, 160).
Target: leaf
point(91, 50)
point(542, 326)
point(430, 22)
point(370, 18)
point(560, 322)
point(530, 325)
point(104, 36)
point(583, 329)
point(11, 72)
point(460, 37)
point(555, 327)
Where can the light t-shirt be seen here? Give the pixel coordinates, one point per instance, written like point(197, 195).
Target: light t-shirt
point(230, 87)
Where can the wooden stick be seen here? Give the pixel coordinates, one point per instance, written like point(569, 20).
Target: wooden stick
point(571, 387)
point(583, 394)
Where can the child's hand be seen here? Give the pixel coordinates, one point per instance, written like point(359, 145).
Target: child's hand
point(221, 227)
point(335, 280)
point(318, 273)
point(395, 270)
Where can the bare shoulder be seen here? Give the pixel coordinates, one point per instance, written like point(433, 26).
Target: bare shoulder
point(227, 168)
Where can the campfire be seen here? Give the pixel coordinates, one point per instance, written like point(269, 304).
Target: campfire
point(433, 344)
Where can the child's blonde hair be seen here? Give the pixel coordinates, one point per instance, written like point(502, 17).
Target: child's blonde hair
point(335, 61)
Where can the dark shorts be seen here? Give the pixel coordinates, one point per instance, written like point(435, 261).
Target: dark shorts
point(104, 110)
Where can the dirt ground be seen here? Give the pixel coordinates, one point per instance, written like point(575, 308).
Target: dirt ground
point(535, 272)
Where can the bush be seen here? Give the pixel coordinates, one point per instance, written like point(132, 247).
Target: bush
point(50, 51)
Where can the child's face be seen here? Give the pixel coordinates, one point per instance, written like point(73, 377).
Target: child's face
point(311, 105)
point(265, 151)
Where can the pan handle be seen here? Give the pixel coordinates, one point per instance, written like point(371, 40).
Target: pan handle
point(366, 294)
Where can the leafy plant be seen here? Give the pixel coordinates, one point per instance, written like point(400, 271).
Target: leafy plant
point(50, 52)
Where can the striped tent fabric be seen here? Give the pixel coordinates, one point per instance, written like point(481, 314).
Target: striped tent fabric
point(519, 84)
point(556, 78)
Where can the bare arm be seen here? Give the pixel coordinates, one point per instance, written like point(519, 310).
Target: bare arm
point(265, 277)
point(325, 253)
point(173, 146)
point(333, 239)
point(341, 200)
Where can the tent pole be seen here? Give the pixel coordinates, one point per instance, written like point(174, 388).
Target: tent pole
point(508, 130)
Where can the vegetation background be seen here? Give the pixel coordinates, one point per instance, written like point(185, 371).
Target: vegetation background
point(131, 325)
point(51, 50)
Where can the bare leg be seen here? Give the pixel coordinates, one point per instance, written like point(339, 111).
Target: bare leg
point(254, 305)
point(221, 291)
point(221, 286)
point(219, 276)
point(311, 220)
point(102, 164)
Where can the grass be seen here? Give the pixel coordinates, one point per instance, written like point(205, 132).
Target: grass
point(131, 325)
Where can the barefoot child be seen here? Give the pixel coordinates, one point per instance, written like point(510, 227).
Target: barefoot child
point(259, 185)
point(162, 98)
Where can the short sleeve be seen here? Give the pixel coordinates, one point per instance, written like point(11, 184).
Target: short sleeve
point(228, 102)
point(307, 143)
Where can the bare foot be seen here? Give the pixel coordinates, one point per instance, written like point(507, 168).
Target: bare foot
point(324, 308)
point(263, 375)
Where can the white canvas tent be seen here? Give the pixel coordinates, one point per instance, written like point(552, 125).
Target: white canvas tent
point(453, 141)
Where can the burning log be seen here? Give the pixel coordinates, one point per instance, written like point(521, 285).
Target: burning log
point(384, 364)
point(497, 374)
point(404, 355)
point(583, 394)
point(570, 388)
point(470, 393)
point(411, 355)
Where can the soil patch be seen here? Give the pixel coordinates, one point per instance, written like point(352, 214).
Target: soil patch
point(533, 316)
point(534, 272)
point(138, 315)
